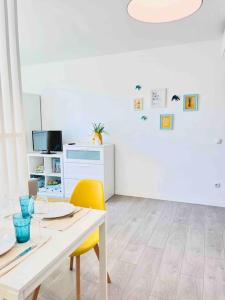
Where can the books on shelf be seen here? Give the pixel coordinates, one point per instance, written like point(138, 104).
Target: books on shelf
point(56, 166)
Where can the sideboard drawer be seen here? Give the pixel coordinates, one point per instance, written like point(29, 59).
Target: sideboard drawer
point(81, 171)
point(83, 155)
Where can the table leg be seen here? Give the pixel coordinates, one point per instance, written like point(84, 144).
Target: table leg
point(103, 262)
point(35, 293)
point(20, 297)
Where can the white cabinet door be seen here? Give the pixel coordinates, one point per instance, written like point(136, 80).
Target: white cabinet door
point(69, 185)
point(82, 171)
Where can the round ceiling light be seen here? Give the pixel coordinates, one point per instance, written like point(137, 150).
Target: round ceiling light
point(160, 11)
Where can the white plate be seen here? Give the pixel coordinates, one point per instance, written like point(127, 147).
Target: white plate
point(6, 243)
point(57, 210)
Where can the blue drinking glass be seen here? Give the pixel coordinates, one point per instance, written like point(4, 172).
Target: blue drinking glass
point(22, 228)
point(27, 206)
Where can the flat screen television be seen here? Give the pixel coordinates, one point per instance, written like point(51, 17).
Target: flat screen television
point(47, 142)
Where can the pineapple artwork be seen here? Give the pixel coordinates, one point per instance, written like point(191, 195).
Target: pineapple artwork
point(138, 104)
point(190, 102)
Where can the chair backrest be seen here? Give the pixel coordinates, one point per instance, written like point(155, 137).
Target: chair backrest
point(33, 187)
point(89, 193)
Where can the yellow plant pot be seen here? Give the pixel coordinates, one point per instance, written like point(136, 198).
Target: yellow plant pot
point(97, 139)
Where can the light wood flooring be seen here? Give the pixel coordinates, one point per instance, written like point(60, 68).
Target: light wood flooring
point(156, 250)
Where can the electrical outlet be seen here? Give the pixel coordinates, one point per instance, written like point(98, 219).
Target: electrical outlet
point(218, 185)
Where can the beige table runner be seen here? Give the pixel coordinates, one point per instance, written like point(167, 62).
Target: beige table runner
point(62, 224)
point(16, 250)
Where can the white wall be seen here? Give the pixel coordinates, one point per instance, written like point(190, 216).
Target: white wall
point(181, 165)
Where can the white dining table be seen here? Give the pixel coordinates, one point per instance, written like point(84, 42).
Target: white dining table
point(29, 274)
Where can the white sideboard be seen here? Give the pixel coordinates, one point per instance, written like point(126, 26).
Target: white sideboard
point(88, 162)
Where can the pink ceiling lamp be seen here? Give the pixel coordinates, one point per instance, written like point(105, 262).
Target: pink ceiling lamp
point(160, 11)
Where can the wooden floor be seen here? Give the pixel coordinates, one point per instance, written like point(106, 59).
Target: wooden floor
point(156, 250)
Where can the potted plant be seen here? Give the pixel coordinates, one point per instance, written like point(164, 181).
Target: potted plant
point(98, 130)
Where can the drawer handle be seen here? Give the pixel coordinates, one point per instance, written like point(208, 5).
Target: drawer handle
point(85, 166)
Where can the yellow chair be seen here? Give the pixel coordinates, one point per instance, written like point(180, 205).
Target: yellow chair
point(90, 194)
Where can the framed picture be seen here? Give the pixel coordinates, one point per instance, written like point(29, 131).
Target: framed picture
point(191, 102)
point(166, 122)
point(138, 104)
point(158, 98)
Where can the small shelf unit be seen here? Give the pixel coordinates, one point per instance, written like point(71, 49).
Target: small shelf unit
point(48, 169)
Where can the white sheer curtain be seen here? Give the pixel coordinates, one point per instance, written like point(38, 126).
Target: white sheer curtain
point(13, 168)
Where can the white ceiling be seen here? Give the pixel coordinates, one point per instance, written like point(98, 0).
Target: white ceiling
point(53, 30)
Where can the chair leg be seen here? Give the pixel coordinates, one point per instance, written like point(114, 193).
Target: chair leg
point(71, 263)
point(35, 293)
point(96, 249)
point(78, 276)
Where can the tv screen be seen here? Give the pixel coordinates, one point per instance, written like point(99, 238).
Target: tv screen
point(47, 141)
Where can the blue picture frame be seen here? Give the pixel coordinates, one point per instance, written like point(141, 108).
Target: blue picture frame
point(171, 124)
point(196, 102)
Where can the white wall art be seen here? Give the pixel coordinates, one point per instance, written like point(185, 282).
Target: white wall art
point(158, 98)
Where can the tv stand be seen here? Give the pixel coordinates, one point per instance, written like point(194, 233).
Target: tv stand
point(48, 152)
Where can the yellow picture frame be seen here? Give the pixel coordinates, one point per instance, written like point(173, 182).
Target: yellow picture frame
point(167, 122)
